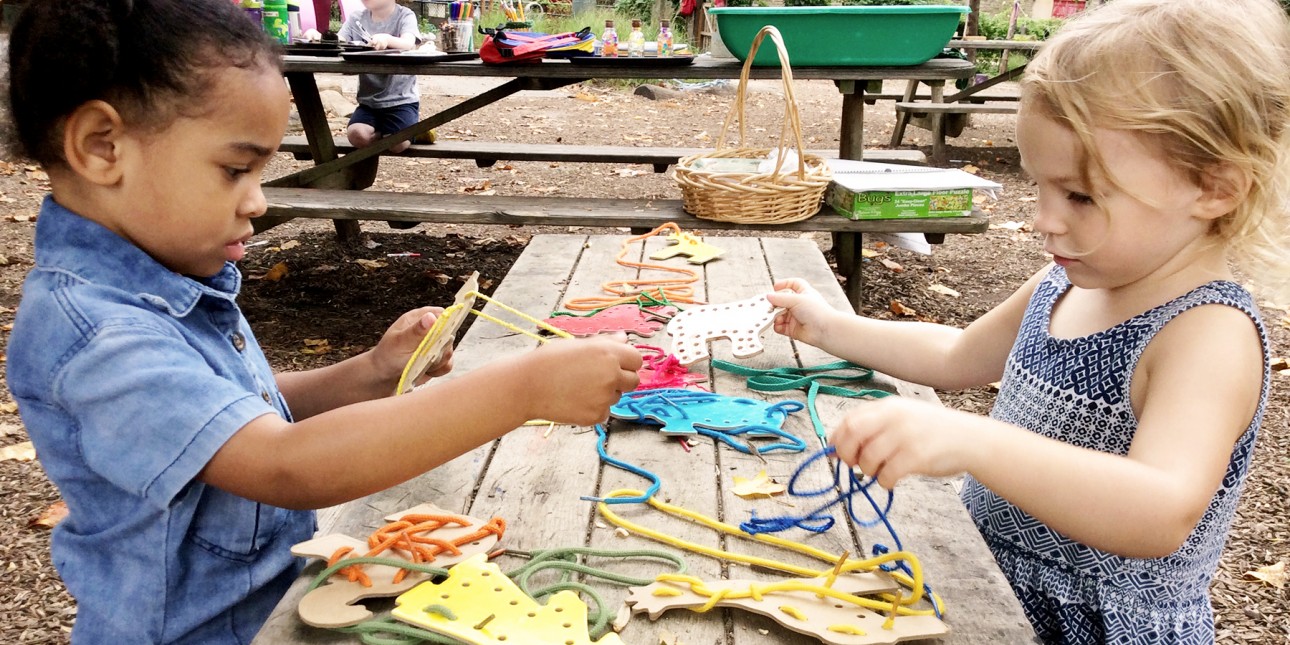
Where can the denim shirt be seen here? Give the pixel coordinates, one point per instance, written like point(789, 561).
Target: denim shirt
point(129, 377)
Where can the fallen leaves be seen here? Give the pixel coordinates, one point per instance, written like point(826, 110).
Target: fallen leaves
point(370, 265)
point(316, 346)
point(942, 289)
point(23, 451)
point(1273, 574)
point(51, 516)
point(760, 486)
point(1012, 226)
point(276, 272)
point(891, 264)
point(288, 245)
point(901, 310)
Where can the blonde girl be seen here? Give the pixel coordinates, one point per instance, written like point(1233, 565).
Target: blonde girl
point(1134, 370)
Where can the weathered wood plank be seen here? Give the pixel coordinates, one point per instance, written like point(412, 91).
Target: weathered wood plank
point(742, 273)
point(927, 514)
point(537, 472)
point(685, 478)
point(490, 151)
point(1030, 45)
point(957, 108)
point(566, 211)
point(938, 68)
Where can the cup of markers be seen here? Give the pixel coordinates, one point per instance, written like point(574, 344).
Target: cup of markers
point(459, 31)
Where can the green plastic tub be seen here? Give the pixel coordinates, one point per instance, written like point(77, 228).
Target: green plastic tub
point(841, 36)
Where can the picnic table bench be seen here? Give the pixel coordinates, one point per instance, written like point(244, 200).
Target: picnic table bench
point(940, 109)
point(337, 170)
point(487, 153)
point(534, 477)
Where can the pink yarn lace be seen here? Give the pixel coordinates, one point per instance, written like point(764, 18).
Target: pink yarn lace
point(663, 370)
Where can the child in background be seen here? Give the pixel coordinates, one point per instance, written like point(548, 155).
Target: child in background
point(187, 465)
point(1134, 371)
point(387, 103)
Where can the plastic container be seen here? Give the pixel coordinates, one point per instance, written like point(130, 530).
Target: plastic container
point(1067, 8)
point(842, 36)
point(458, 36)
point(293, 20)
point(255, 11)
point(275, 20)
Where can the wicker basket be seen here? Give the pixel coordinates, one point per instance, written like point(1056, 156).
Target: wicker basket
point(750, 197)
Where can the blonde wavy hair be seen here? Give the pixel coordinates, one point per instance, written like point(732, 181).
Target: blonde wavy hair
point(1208, 83)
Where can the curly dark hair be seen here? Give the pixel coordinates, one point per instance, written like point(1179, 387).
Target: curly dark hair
point(150, 59)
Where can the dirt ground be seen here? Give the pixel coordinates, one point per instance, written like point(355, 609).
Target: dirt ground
point(346, 295)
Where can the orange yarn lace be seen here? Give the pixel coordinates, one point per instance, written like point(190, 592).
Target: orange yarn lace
point(407, 536)
point(622, 292)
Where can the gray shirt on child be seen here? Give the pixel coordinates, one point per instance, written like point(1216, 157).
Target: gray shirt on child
point(383, 90)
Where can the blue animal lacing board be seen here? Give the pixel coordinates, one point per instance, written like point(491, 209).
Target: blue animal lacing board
point(688, 412)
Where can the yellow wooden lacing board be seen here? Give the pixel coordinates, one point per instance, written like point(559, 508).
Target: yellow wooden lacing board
point(446, 319)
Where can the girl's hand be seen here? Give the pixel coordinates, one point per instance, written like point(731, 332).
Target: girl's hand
point(401, 340)
point(805, 313)
point(895, 436)
point(575, 381)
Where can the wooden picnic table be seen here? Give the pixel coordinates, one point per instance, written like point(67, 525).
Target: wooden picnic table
point(357, 169)
point(534, 477)
point(939, 108)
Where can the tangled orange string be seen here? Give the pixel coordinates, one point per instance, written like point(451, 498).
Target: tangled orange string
point(408, 537)
point(625, 291)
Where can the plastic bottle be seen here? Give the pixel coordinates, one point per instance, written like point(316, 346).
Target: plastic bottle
point(665, 38)
point(254, 10)
point(636, 41)
point(275, 20)
point(609, 41)
point(293, 20)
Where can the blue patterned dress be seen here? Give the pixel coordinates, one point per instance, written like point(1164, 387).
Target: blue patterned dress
point(1077, 391)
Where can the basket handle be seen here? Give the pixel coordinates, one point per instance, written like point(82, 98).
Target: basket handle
point(791, 118)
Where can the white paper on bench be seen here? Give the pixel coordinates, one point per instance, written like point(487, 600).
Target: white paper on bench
point(869, 175)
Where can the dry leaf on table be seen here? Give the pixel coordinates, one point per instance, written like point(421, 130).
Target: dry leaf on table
point(759, 486)
point(894, 266)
